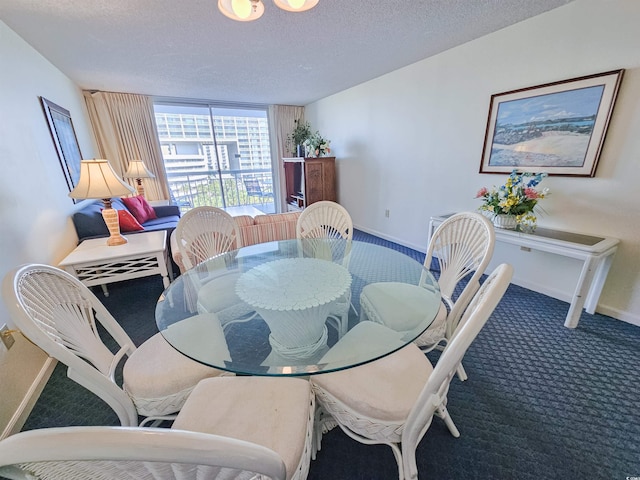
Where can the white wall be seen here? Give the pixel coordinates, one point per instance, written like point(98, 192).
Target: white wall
point(34, 207)
point(410, 141)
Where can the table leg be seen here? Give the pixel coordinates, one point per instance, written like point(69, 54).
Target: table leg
point(162, 265)
point(579, 297)
point(601, 272)
point(297, 334)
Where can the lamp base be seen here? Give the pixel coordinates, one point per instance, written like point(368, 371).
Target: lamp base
point(114, 240)
point(139, 187)
point(110, 217)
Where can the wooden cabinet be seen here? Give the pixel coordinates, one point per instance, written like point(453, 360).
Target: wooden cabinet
point(309, 180)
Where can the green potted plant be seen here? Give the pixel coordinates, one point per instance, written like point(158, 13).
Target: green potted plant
point(296, 139)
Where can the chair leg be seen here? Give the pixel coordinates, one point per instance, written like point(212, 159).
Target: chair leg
point(398, 454)
point(363, 315)
point(323, 423)
point(462, 375)
point(444, 414)
point(344, 324)
point(155, 421)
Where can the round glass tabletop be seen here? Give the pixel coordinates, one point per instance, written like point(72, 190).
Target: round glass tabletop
point(292, 307)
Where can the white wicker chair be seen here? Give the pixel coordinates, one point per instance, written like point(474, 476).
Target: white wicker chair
point(463, 245)
point(329, 221)
point(60, 315)
point(202, 234)
point(116, 453)
point(325, 220)
point(392, 401)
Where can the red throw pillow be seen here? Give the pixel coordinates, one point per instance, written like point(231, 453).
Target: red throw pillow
point(140, 208)
point(127, 222)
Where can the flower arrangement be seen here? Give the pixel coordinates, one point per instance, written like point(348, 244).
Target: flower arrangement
point(518, 197)
point(316, 145)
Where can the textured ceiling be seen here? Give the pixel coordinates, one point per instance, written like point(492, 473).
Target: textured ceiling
point(187, 48)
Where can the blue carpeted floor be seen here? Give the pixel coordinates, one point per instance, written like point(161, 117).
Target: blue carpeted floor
point(542, 401)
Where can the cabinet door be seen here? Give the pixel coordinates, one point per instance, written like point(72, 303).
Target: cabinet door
point(319, 180)
point(313, 182)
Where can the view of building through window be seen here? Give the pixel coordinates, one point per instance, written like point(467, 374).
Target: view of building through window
point(216, 155)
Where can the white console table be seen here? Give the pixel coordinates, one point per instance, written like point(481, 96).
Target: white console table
point(596, 253)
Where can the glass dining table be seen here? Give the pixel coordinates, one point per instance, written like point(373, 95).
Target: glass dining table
point(289, 307)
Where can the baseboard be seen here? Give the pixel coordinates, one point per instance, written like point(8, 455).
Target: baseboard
point(603, 309)
point(540, 288)
point(399, 241)
point(619, 314)
point(24, 409)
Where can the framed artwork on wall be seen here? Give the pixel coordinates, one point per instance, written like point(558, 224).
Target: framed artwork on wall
point(558, 128)
point(64, 139)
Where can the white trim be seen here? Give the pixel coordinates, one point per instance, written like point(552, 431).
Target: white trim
point(618, 314)
point(18, 418)
point(419, 248)
point(607, 310)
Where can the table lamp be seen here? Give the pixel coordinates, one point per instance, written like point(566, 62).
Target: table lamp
point(99, 181)
point(138, 170)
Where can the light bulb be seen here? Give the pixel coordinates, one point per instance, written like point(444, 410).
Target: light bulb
point(242, 8)
point(296, 5)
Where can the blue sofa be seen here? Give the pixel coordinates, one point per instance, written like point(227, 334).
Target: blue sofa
point(90, 224)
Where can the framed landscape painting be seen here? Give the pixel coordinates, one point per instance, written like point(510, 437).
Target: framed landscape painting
point(558, 128)
point(65, 141)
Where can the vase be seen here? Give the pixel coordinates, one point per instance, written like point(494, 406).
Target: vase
point(507, 222)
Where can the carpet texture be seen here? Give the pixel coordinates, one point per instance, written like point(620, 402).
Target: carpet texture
point(542, 401)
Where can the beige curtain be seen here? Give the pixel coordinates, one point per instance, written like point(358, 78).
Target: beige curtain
point(125, 129)
point(282, 119)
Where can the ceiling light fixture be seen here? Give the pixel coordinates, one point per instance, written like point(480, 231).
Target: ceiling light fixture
point(296, 5)
point(249, 10)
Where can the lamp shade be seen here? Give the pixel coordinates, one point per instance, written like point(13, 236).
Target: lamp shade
point(241, 10)
point(98, 180)
point(296, 5)
point(137, 169)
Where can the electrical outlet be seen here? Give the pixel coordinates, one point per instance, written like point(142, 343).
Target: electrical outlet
point(386, 213)
point(6, 337)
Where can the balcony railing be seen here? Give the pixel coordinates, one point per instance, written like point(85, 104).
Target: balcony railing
point(226, 188)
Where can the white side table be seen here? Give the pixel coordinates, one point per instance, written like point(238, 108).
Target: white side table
point(145, 254)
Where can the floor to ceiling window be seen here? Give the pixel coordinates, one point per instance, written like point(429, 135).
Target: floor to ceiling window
point(217, 156)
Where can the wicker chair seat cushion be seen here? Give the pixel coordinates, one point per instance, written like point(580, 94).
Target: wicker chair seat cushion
point(272, 412)
point(156, 372)
point(436, 331)
point(400, 306)
point(399, 379)
point(219, 295)
point(202, 337)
